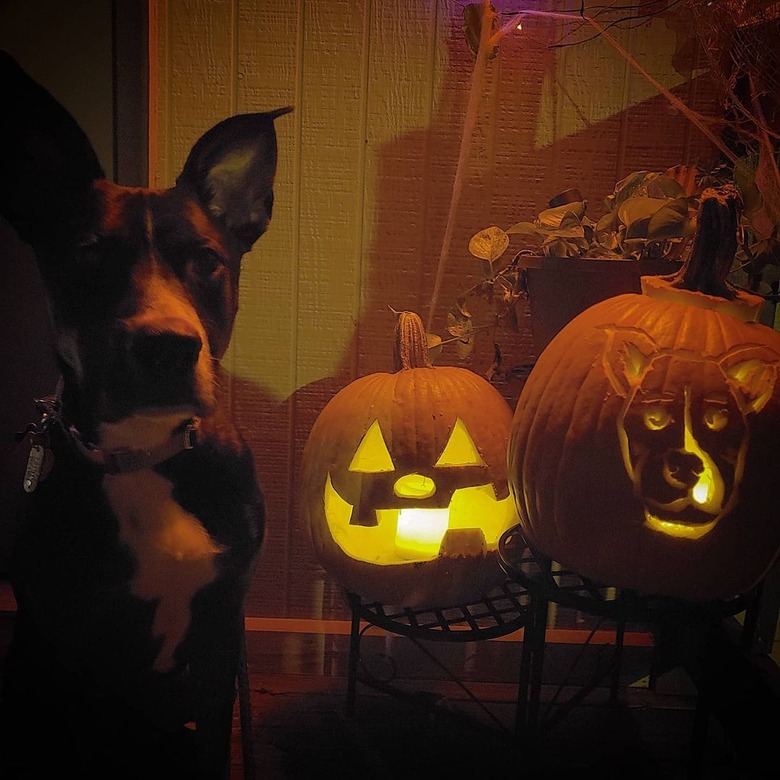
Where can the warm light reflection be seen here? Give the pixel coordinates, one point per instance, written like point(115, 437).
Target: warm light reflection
point(420, 531)
point(708, 490)
point(460, 449)
point(372, 455)
point(470, 508)
point(414, 486)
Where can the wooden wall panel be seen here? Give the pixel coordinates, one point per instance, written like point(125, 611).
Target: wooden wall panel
point(264, 345)
point(366, 166)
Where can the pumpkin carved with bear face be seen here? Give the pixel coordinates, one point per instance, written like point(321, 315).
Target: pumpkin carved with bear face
point(404, 488)
point(646, 439)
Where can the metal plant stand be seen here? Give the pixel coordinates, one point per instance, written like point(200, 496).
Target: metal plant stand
point(547, 583)
point(504, 610)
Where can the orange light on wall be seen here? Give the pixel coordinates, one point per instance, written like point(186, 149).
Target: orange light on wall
point(403, 478)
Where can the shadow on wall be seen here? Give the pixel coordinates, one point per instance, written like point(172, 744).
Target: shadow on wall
point(507, 179)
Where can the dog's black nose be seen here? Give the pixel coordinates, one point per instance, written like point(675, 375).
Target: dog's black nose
point(684, 467)
point(166, 348)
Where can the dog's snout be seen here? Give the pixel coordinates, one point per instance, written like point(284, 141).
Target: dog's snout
point(684, 467)
point(167, 347)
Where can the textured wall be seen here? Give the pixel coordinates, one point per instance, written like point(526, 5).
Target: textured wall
point(366, 166)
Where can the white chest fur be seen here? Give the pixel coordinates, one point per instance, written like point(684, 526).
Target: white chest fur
point(174, 554)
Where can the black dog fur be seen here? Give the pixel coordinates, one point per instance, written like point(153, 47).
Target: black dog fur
point(132, 565)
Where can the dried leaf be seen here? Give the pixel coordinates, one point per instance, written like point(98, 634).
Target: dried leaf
point(434, 346)
point(459, 321)
point(495, 370)
point(464, 347)
point(472, 27)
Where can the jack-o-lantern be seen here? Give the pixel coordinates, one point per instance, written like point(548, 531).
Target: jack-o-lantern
point(646, 441)
point(403, 481)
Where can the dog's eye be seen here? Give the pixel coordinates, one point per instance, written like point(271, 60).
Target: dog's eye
point(90, 258)
point(716, 419)
point(206, 262)
point(657, 418)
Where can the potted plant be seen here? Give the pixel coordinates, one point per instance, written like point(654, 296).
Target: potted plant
point(564, 261)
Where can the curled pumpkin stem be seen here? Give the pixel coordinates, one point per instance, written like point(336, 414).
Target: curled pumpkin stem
point(714, 244)
point(411, 342)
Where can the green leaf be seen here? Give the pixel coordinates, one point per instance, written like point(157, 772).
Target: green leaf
point(489, 244)
point(609, 222)
point(552, 218)
point(639, 208)
point(670, 221)
point(637, 229)
point(556, 246)
point(663, 186)
point(745, 181)
point(569, 222)
point(529, 233)
point(629, 187)
point(572, 231)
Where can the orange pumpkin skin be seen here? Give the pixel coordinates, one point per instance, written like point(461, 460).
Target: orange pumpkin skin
point(417, 409)
point(622, 385)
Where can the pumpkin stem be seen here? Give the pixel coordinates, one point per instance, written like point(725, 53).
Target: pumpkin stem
point(411, 342)
point(714, 245)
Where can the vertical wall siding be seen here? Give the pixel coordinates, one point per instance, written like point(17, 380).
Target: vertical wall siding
point(366, 166)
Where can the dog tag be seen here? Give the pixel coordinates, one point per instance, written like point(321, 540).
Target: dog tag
point(34, 467)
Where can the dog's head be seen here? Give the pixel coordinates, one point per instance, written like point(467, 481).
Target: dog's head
point(142, 284)
point(683, 426)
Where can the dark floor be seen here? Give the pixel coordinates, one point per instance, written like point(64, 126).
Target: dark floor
point(431, 726)
point(449, 711)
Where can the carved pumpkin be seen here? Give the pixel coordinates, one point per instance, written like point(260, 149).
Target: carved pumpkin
point(403, 481)
point(646, 441)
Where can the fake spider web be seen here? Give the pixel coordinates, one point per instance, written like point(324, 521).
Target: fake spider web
point(740, 40)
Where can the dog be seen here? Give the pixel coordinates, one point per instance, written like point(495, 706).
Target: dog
point(145, 514)
point(683, 426)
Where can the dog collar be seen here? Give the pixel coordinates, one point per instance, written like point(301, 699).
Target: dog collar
point(121, 461)
point(124, 461)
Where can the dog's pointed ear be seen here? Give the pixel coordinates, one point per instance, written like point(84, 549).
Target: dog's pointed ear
point(231, 171)
point(48, 164)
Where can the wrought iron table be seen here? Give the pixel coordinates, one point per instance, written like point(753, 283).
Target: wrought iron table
point(546, 582)
point(502, 611)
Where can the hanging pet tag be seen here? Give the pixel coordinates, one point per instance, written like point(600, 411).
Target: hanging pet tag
point(34, 466)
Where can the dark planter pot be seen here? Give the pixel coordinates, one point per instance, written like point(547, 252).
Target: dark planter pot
point(559, 288)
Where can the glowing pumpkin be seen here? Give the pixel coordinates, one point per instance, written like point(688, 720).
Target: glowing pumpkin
point(646, 441)
point(403, 481)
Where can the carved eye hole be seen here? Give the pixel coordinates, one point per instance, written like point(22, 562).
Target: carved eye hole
point(372, 455)
point(460, 449)
point(716, 418)
point(657, 417)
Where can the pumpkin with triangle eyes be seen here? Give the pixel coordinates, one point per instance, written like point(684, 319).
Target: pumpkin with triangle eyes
point(404, 484)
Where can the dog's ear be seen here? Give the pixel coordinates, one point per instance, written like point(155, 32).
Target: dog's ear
point(231, 171)
point(48, 163)
point(751, 376)
point(627, 354)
